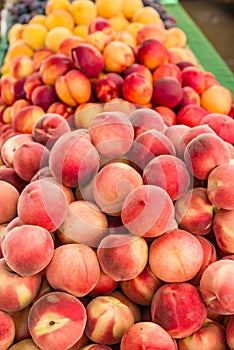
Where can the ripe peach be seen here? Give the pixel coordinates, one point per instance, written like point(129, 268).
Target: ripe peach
point(140, 69)
point(9, 175)
point(8, 198)
point(216, 286)
point(22, 66)
point(31, 82)
point(7, 327)
point(222, 226)
point(167, 70)
point(194, 211)
point(82, 261)
point(121, 179)
point(151, 31)
point(53, 67)
point(148, 145)
point(48, 128)
point(126, 38)
point(17, 106)
point(78, 164)
point(113, 246)
point(88, 59)
point(16, 292)
point(137, 89)
point(7, 94)
point(222, 125)
point(204, 153)
point(66, 46)
point(220, 186)
point(147, 334)
point(176, 133)
point(111, 133)
point(152, 53)
point(108, 86)
point(191, 115)
point(194, 77)
point(229, 333)
point(25, 344)
point(85, 113)
point(42, 203)
point(105, 285)
point(117, 56)
point(20, 319)
point(39, 55)
point(144, 119)
point(99, 39)
point(95, 347)
point(217, 99)
point(26, 117)
point(167, 114)
point(100, 23)
point(57, 318)
point(135, 309)
point(148, 211)
point(64, 110)
point(190, 96)
point(43, 96)
point(167, 91)
point(179, 309)
point(111, 316)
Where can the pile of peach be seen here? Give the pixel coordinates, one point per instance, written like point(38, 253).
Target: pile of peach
point(116, 186)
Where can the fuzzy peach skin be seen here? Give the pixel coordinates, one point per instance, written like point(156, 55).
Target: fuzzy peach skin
point(194, 212)
point(147, 335)
point(121, 179)
point(57, 321)
point(117, 56)
point(220, 186)
point(176, 133)
point(152, 53)
point(230, 333)
point(42, 203)
point(204, 153)
point(144, 119)
point(108, 86)
point(216, 286)
point(111, 133)
point(25, 344)
point(105, 285)
point(107, 320)
point(53, 67)
point(20, 319)
point(95, 347)
point(185, 252)
point(35, 249)
point(73, 159)
point(16, 292)
point(88, 59)
point(179, 309)
point(114, 247)
point(167, 91)
point(137, 89)
point(24, 120)
point(191, 115)
point(142, 288)
point(135, 308)
point(10, 145)
point(9, 197)
point(169, 173)
point(7, 330)
point(84, 223)
point(74, 269)
point(222, 125)
point(211, 336)
point(148, 211)
point(223, 224)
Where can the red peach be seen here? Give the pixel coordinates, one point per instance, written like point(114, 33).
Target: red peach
point(43, 96)
point(7, 327)
point(190, 96)
point(107, 320)
point(169, 173)
point(137, 89)
point(176, 133)
point(67, 44)
point(135, 308)
point(223, 224)
point(167, 114)
point(144, 119)
point(26, 117)
point(185, 256)
point(230, 332)
point(148, 211)
point(140, 69)
point(108, 86)
point(152, 53)
point(53, 67)
point(167, 91)
point(216, 286)
point(88, 59)
point(179, 309)
point(31, 82)
point(105, 285)
point(167, 70)
point(22, 66)
point(111, 250)
point(57, 318)
point(191, 115)
point(222, 125)
point(194, 77)
point(95, 347)
point(17, 106)
point(25, 344)
point(151, 31)
point(74, 269)
point(42, 203)
point(20, 319)
point(7, 94)
point(204, 153)
point(117, 56)
point(8, 198)
point(9, 147)
point(147, 335)
point(40, 54)
point(9, 175)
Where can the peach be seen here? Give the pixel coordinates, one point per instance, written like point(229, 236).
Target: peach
point(111, 133)
point(167, 91)
point(74, 269)
point(186, 256)
point(100, 23)
point(191, 115)
point(9, 175)
point(29, 158)
point(126, 38)
point(7, 332)
point(66, 46)
point(137, 89)
point(135, 308)
point(48, 128)
point(117, 56)
point(7, 94)
point(42, 203)
point(204, 153)
point(55, 36)
point(105, 285)
point(121, 179)
point(140, 69)
point(85, 113)
point(108, 86)
point(25, 344)
point(88, 59)
point(211, 335)
point(111, 316)
point(44, 96)
point(167, 114)
point(45, 174)
point(39, 55)
point(220, 186)
point(222, 226)
point(176, 37)
point(142, 288)
point(190, 96)
point(144, 119)
point(53, 67)
point(151, 31)
point(113, 247)
point(194, 211)
point(99, 39)
point(147, 15)
point(194, 77)
point(57, 318)
point(8, 198)
point(147, 334)
point(176, 133)
point(64, 110)
point(26, 117)
point(222, 125)
point(217, 99)
point(229, 333)
point(22, 66)
point(84, 223)
point(78, 164)
point(169, 173)
point(17, 106)
point(148, 145)
point(20, 319)
point(216, 286)
point(167, 70)
point(73, 88)
point(179, 309)
point(31, 82)
point(148, 211)
point(151, 53)
point(16, 292)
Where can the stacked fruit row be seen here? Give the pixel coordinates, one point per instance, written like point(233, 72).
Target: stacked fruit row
point(116, 190)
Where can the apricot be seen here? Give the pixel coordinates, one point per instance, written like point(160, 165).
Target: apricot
point(55, 36)
point(176, 37)
point(147, 15)
point(129, 9)
point(34, 35)
point(119, 23)
point(217, 99)
point(60, 18)
point(107, 8)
